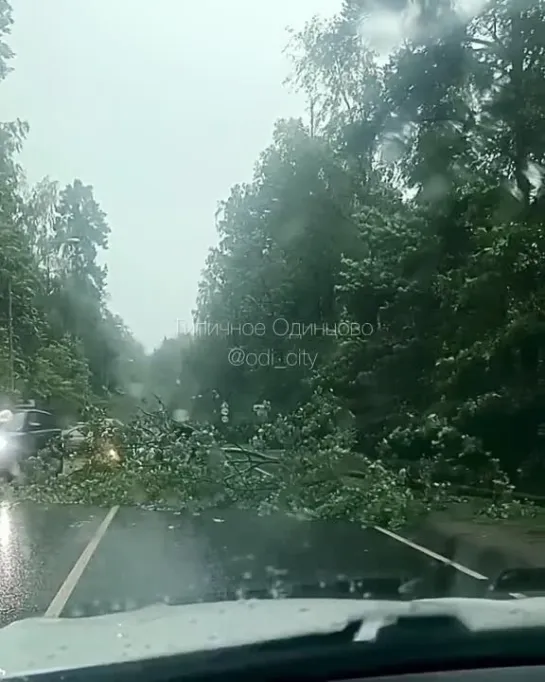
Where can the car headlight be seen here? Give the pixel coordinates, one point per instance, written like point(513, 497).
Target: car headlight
point(3, 443)
point(113, 455)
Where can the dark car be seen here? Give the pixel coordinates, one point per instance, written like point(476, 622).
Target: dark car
point(23, 435)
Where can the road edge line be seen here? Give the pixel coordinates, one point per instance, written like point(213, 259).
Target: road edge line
point(433, 555)
point(59, 601)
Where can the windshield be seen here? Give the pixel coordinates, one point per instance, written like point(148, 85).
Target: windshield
point(272, 297)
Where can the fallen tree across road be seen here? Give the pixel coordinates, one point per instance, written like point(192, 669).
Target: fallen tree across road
point(167, 465)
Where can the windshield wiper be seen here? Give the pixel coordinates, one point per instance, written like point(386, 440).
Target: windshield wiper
point(406, 628)
point(407, 644)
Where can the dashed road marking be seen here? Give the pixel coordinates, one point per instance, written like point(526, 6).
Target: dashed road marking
point(441, 558)
point(433, 555)
point(63, 595)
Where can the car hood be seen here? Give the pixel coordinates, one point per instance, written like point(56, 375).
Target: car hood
point(40, 644)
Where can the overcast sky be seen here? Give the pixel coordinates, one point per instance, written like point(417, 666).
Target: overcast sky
point(162, 106)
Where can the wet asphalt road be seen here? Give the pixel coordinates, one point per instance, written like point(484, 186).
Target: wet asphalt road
point(144, 557)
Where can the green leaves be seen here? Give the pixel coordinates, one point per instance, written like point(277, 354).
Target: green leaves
point(60, 344)
point(6, 53)
point(61, 376)
point(395, 234)
point(408, 200)
point(168, 466)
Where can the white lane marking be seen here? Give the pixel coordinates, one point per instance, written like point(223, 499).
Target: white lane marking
point(433, 555)
point(63, 595)
point(442, 559)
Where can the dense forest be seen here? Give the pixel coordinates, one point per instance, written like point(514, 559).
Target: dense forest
point(408, 205)
point(60, 344)
point(394, 235)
